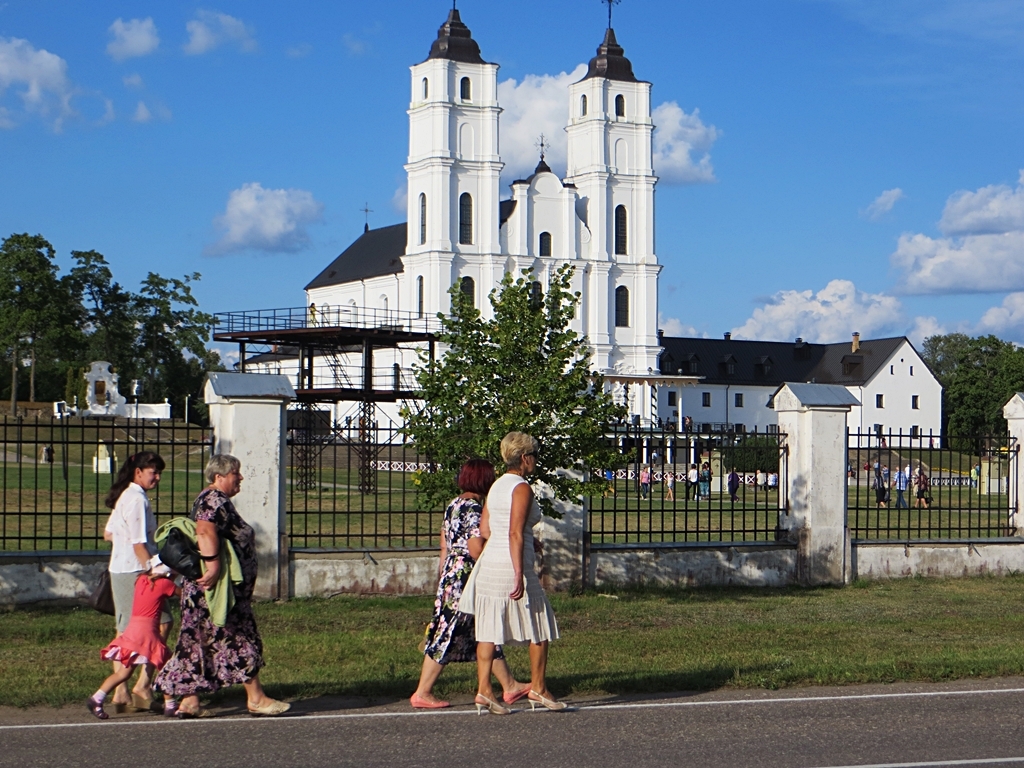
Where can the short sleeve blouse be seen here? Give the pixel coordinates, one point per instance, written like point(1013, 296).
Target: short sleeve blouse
point(131, 522)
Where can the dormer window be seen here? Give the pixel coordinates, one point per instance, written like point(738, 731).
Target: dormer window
point(727, 366)
point(763, 367)
point(852, 365)
point(466, 90)
point(583, 106)
point(620, 106)
point(689, 364)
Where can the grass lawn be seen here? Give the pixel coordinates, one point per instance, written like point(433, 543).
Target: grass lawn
point(635, 641)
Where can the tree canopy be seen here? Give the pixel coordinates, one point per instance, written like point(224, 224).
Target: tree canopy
point(55, 325)
point(523, 370)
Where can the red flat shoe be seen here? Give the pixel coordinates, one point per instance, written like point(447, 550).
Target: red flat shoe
point(420, 703)
point(512, 698)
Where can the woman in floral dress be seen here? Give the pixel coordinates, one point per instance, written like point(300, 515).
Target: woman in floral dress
point(450, 635)
point(210, 657)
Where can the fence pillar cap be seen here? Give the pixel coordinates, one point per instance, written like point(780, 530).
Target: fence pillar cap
point(798, 396)
point(1014, 408)
point(224, 386)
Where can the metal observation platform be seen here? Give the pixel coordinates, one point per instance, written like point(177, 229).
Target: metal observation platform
point(326, 334)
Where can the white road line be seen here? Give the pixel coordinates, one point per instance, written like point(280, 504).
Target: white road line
point(988, 761)
point(591, 708)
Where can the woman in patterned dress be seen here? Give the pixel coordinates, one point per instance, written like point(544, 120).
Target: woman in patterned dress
point(450, 635)
point(207, 657)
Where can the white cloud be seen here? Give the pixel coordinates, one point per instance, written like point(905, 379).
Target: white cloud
point(211, 29)
point(539, 104)
point(142, 113)
point(829, 315)
point(271, 220)
point(108, 112)
point(354, 45)
point(135, 37)
point(132, 81)
point(299, 51)
point(924, 327)
point(883, 204)
point(46, 89)
point(675, 327)
point(994, 209)
point(1006, 319)
point(400, 200)
point(983, 247)
point(678, 138)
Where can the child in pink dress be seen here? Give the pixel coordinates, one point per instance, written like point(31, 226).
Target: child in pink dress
point(140, 643)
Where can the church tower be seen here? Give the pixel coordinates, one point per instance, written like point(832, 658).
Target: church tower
point(610, 162)
point(453, 170)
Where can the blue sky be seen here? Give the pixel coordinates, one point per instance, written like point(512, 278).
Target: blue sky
point(827, 166)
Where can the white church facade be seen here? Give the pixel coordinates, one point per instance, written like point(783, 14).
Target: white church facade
point(459, 230)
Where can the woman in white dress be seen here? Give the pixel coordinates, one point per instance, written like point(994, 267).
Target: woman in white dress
point(503, 591)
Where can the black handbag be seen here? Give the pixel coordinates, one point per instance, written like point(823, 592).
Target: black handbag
point(102, 597)
point(179, 553)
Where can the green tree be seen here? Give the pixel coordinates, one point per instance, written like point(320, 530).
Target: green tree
point(524, 370)
point(111, 313)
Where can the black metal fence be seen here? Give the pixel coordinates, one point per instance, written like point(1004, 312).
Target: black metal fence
point(906, 487)
point(56, 473)
point(354, 486)
point(679, 487)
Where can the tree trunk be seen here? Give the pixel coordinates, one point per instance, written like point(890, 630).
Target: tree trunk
point(14, 380)
point(32, 375)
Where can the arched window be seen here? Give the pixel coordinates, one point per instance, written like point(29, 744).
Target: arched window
point(423, 218)
point(620, 230)
point(465, 219)
point(583, 106)
point(419, 296)
point(620, 106)
point(466, 89)
point(536, 295)
point(468, 288)
point(545, 243)
point(426, 89)
point(622, 307)
point(384, 302)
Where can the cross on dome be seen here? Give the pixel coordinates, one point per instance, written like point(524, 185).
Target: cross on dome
point(611, 4)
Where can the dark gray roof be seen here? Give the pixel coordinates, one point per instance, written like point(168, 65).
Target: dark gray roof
point(610, 61)
point(770, 363)
point(455, 42)
point(505, 208)
point(377, 252)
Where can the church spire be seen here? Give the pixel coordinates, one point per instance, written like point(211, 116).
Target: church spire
point(610, 61)
point(455, 41)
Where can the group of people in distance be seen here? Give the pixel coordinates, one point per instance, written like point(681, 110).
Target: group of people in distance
point(488, 593)
point(901, 482)
point(218, 644)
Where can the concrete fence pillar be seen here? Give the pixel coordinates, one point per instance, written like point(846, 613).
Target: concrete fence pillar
point(562, 539)
point(813, 417)
point(248, 416)
point(1013, 412)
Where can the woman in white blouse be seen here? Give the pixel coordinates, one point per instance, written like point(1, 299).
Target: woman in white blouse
point(130, 530)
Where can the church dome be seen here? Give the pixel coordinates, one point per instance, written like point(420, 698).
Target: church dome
point(455, 42)
point(611, 62)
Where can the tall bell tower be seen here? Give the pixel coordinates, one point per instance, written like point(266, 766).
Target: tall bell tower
point(453, 167)
point(610, 162)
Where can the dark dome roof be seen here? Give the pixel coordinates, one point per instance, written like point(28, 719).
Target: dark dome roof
point(455, 42)
point(610, 61)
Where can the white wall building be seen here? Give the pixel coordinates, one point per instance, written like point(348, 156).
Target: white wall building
point(896, 388)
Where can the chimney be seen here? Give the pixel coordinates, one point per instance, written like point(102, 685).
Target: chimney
point(661, 336)
point(799, 340)
point(728, 336)
point(856, 341)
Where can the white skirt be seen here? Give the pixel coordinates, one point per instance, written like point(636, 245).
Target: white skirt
point(501, 620)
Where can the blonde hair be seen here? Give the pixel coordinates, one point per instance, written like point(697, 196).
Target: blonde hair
point(220, 464)
point(514, 446)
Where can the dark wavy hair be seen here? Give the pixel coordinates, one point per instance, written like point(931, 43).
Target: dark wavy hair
point(125, 476)
point(476, 476)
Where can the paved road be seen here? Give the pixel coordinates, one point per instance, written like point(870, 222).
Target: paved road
point(956, 724)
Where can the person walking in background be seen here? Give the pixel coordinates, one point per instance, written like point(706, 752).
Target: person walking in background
point(670, 486)
point(130, 530)
point(733, 483)
point(645, 481)
point(141, 643)
point(704, 481)
point(881, 489)
point(923, 487)
point(450, 634)
point(609, 478)
point(901, 483)
point(692, 487)
point(760, 481)
point(503, 592)
point(773, 481)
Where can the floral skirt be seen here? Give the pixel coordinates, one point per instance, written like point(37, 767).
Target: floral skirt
point(207, 657)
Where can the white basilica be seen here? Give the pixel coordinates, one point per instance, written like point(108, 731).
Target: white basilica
point(459, 230)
